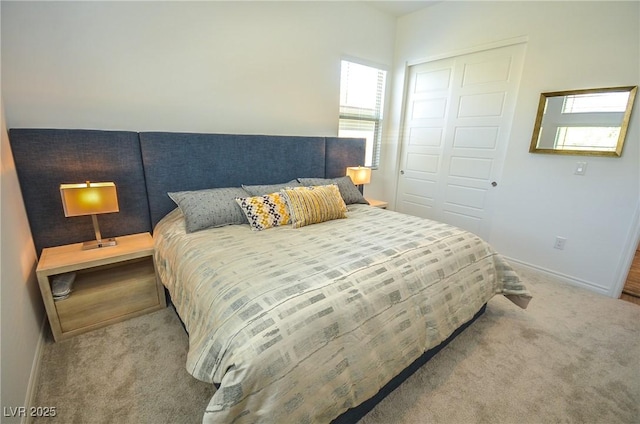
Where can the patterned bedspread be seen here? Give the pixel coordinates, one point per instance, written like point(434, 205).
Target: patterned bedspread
point(299, 325)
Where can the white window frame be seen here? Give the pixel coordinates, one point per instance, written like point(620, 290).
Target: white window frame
point(353, 119)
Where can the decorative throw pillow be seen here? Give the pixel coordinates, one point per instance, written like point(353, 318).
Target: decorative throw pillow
point(269, 210)
point(261, 190)
point(312, 205)
point(210, 208)
point(349, 192)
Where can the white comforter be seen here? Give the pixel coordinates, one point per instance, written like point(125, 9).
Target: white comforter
point(299, 325)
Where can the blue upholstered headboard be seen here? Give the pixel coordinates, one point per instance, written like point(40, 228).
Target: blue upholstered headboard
point(147, 165)
point(47, 158)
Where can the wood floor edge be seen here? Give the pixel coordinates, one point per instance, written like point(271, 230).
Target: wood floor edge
point(630, 298)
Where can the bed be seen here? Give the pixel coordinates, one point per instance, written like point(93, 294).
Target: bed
point(303, 324)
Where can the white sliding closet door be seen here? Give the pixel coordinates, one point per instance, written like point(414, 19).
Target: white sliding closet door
point(457, 118)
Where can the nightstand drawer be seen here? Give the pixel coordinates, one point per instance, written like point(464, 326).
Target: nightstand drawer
point(109, 293)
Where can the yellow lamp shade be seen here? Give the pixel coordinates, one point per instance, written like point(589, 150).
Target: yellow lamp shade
point(89, 198)
point(359, 174)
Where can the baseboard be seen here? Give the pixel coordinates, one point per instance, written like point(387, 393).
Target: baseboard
point(563, 277)
point(35, 372)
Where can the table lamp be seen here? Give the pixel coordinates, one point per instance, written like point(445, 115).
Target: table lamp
point(359, 174)
point(90, 199)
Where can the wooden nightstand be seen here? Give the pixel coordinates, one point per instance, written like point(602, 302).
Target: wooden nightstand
point(112, 284)
point(378, 203)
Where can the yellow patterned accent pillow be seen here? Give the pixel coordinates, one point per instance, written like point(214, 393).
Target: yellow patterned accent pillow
point(265, 211)
point(312, 205)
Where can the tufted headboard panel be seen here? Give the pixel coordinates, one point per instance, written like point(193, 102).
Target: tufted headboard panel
point(186, 161)
point(341, 153)
point(46, 158)
point(147, 165)
point(183, 161)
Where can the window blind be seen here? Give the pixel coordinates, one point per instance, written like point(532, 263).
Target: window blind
point(361, 106)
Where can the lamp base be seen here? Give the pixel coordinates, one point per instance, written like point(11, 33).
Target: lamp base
point(95, 244)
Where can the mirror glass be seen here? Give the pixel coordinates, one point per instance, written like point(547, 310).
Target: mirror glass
point(583, 122)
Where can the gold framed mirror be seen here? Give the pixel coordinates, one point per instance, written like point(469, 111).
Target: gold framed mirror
point(590, 122)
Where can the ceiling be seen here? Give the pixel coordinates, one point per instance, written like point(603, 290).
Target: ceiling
point(399, 8)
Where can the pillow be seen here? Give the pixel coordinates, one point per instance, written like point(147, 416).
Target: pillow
point(312, 205)
point(265, 211)
point(261, 190)
point(349, 192)
point(209, 208)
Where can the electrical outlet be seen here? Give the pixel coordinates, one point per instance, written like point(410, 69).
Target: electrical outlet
point(560, 242)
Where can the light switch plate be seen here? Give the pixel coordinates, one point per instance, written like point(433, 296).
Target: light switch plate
point(581, 168)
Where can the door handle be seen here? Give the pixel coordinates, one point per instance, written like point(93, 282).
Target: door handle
point(493, 183)
point(401, 172)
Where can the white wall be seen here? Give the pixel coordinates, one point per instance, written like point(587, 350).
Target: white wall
point(238, 67)
point(571, 45)
point(22, 309)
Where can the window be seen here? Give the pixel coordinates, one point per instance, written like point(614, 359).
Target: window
point(596, 102)
point(361, 103)
point(603, 139)
point(590, 121)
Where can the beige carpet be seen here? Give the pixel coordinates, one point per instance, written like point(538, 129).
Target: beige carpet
point(572, 357)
